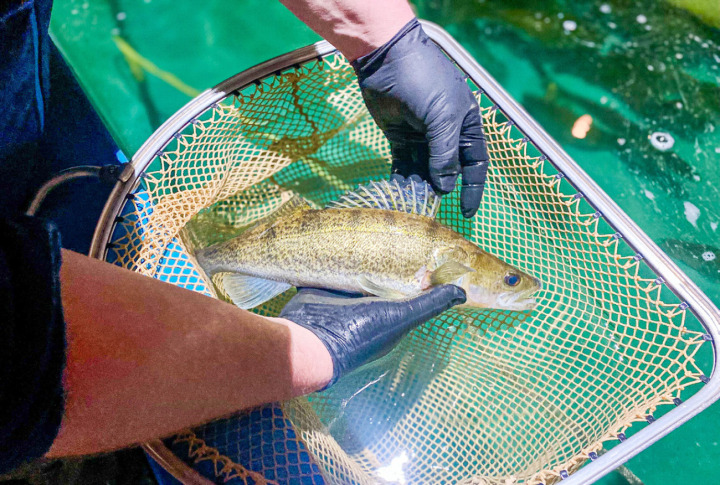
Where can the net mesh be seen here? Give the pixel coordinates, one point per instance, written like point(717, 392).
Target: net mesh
point(471, 397)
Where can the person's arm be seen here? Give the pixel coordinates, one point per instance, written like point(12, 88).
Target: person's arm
point(146, 358)
point(354, 27)
point(415, 94)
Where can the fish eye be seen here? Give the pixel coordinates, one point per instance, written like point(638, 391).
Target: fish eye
point(512, 280)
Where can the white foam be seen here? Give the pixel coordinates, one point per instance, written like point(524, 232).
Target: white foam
point(691, 213)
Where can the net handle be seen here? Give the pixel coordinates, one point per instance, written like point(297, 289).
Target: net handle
point(107, 173)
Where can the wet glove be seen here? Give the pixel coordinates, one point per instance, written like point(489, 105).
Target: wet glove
point(427, 112)
point(357, 329)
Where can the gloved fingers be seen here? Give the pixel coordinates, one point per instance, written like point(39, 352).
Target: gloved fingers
point(402, 157)
point(399, 178)
point(405, 181)
point(473, 162)
point(409, 158)
point(430, 304)
point(443, 139)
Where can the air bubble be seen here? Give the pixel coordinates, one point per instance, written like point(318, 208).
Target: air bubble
point(570, 25)
point(662, 141)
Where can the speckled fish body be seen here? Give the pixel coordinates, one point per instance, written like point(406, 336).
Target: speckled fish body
point(387, 253)
point(330, 248)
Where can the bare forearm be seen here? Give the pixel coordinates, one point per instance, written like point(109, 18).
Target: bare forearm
point(145, 358)
point(355, 27)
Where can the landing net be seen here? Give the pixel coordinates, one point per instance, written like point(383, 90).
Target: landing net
point(472, 397)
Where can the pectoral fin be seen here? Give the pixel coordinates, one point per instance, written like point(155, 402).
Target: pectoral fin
point(377, 289)
point(248, 291)
point(449, 272)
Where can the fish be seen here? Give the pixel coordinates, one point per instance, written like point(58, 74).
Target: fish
point(380, 240)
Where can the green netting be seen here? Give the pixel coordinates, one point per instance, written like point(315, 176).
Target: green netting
point(482, 397)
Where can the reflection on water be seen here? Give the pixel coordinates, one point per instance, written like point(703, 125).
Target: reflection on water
point(641, 75)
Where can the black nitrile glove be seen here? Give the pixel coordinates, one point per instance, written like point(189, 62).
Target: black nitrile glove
point(425, 108)
point(358, 329)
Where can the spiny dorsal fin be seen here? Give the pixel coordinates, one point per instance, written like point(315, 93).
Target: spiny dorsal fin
point(413, 197)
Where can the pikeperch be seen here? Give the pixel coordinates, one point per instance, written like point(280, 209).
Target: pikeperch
point(381, 240)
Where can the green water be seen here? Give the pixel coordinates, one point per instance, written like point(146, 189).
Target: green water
point(644, 71)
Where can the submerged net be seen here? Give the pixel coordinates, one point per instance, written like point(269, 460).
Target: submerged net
point(472, 397)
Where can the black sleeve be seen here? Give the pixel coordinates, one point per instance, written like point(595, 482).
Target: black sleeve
point(32, 340)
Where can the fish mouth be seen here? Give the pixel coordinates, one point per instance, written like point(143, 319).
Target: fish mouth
point(518, 301)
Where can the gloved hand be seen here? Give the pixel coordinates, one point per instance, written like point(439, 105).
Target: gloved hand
point(428, 113)
point(357, 329)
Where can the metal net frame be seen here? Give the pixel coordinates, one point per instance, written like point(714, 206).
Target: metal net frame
point(619, 337)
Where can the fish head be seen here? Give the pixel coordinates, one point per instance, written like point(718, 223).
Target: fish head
point(496, 284)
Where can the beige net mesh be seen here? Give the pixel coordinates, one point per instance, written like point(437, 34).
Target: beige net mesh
point(472, 397)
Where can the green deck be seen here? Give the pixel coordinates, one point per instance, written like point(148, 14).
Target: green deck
point(637, 67)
